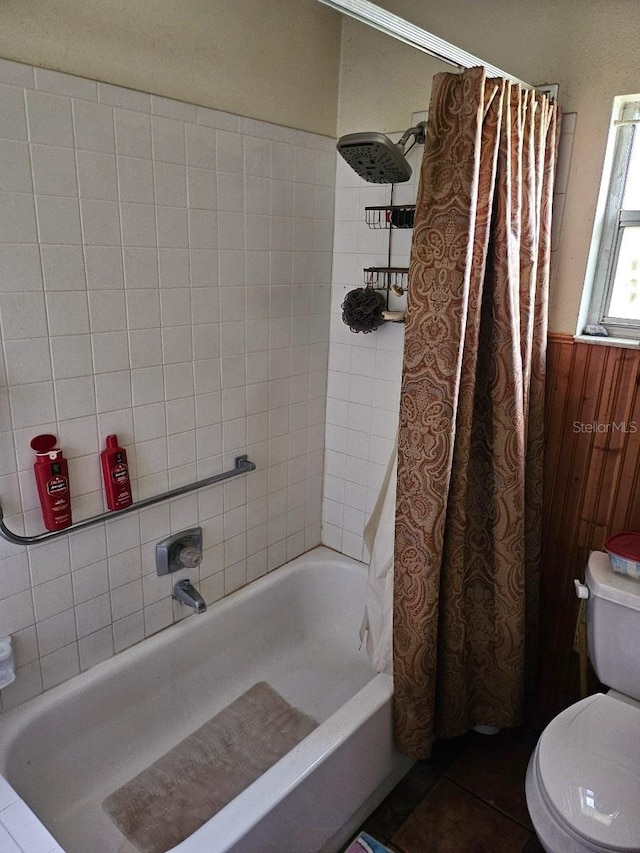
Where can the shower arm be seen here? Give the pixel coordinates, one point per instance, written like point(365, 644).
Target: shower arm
point(418, 132)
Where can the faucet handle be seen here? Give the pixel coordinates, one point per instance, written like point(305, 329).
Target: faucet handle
point(178, 551)
point(190, 557)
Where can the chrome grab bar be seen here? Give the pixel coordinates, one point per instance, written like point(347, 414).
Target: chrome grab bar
point(242, 466)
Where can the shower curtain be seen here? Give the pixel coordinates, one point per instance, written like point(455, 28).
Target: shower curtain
point(469, 494)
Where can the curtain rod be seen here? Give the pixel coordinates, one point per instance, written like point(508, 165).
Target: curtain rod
point(402, 30)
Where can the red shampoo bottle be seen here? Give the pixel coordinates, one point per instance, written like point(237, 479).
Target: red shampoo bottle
point(115, 473)
point(52, 479)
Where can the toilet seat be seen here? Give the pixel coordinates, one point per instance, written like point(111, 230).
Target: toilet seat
point(588, 769)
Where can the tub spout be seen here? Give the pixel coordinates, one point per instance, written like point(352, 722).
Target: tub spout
point(186, 593)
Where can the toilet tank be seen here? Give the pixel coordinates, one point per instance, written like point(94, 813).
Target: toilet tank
point(613, 625)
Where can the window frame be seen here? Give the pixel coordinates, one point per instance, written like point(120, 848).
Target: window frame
point(613, 220)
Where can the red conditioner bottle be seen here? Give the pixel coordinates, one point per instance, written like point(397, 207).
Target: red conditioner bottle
point(52, 479)
point(115, 473)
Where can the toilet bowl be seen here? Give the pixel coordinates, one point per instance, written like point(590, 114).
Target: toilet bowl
point(583, 779)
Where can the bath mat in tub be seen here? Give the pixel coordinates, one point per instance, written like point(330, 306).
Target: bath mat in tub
point(168, 801)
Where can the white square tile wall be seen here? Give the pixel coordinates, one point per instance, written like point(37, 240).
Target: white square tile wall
point(567, 135)
point(363, 393)
point(165, 275)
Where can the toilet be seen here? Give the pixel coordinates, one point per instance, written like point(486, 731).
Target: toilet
point(583, 779)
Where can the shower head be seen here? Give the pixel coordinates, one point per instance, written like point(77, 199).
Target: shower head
point(376, 158)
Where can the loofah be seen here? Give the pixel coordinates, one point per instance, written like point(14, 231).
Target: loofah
point(362, 309)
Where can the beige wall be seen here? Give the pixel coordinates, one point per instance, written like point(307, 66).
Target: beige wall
point(589, 47)
point(276, 60)
point(382, 81)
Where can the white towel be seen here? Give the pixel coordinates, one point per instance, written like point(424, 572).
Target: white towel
point(376, 630)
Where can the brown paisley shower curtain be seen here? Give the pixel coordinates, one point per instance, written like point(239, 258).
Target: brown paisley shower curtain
point(469, 491)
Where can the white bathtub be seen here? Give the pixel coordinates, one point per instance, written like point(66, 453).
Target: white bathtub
point(297, 629)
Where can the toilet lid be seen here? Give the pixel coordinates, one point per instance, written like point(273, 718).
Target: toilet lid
point(589, 767)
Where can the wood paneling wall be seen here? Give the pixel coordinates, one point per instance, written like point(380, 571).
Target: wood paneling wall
point(592, 471)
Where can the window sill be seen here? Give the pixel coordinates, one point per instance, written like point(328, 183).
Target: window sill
point(629, 343)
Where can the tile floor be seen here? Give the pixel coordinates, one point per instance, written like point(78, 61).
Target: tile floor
point(467, 798)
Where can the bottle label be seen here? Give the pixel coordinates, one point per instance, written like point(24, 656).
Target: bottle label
point(57, 485)
point(120, 474)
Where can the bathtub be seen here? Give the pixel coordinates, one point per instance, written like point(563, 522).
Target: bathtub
point(297, 628)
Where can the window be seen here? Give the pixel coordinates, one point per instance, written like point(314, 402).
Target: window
point(615, 297)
